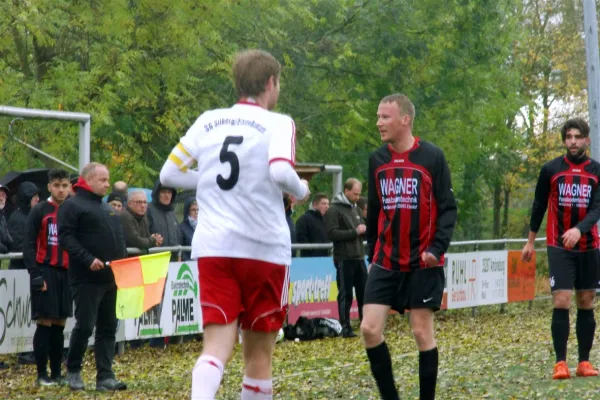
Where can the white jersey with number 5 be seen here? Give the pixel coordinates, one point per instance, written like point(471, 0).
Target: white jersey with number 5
point(241, 212)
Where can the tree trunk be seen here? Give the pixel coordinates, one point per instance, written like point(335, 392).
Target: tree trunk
point(505, 214)
point(497, 207)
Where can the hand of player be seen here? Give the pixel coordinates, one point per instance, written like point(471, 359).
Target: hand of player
point(44, 288)
point(527, 252)
point(96, 265)
point(429, 259)
point(305, 182)
point(361, 229)
point(571, 237)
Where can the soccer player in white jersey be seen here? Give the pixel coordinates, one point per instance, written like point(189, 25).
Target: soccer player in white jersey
point(245, 156)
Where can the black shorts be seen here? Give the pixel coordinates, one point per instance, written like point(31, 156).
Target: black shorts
point(55, 302)
point(573, 269)
point(421, 288)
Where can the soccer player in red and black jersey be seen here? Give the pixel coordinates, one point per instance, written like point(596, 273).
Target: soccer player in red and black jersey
point(411, 214)
point(568, 188)
point(47, 264)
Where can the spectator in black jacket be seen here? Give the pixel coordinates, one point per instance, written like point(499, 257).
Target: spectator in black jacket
point(3, 200)
point(27, 197)
point(5, 238)
point(310, 228)
point(90, 231)
point(346, 230)
point(188, 226)
point(162, 218)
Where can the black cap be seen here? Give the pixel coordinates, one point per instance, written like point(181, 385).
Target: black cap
point(116, 196)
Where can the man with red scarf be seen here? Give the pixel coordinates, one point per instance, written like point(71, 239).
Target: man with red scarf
point(91, 233)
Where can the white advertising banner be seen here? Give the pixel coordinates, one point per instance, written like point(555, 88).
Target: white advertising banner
point(462, 280)
point(16, 327)
point(493, 277)
point(477, 278)
point(179, 313)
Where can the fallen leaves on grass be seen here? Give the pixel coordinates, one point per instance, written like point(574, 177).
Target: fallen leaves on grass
point(491, 355)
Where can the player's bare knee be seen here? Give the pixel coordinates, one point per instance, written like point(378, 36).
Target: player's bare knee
point(423, 336)
point(585, 299)
point(258, 365)
point(562, 299)
point(371, 332)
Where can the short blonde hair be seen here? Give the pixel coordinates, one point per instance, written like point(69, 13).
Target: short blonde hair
point(252, 70)
point(404, 104)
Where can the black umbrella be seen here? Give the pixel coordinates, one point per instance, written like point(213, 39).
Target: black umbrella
point(37, 176)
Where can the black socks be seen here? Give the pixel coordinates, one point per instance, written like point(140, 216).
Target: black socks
point(585, 327)
point(381, 366)
point(560, 332)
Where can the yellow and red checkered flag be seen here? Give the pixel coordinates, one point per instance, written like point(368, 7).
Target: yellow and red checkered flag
point(140, 283)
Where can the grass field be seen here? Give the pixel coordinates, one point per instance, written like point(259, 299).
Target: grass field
point(491, 355)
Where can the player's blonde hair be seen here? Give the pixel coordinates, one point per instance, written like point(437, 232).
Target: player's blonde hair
point(252, 70)
point(404, 104)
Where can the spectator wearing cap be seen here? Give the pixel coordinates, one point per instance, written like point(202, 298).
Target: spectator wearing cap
point(5, 238)
point(3, 200)
point(120, 188)
point(27, 197)
point(116, 201)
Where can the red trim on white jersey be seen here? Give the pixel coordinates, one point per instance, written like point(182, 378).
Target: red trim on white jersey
point(249, 102)
point(293, 155)
point(282, 159)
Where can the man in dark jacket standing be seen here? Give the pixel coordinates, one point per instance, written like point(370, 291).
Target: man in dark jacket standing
point(161, 216)
point(27, 197)
point(345, 229)
point(310, 228)
point(90, 231)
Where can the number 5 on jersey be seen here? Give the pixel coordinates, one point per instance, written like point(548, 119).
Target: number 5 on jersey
point(227, 156)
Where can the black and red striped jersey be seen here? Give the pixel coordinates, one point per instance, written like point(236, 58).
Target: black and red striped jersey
point(569, 189)
point(411, 206)
point(41, 238)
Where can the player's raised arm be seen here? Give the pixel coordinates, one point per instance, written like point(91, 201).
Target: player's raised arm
point(282, 157)
point(176, 171)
